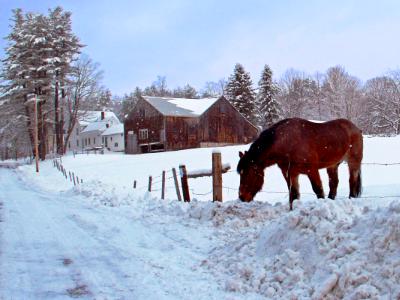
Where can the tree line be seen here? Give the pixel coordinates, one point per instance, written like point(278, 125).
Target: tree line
point(374, 106)
point(44, 68)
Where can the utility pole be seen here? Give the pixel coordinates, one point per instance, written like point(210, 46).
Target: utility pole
point(36, 136)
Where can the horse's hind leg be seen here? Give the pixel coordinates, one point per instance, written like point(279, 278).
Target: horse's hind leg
point(292, 180)
point(316, 183)
point(333, 181)
point(355, 179)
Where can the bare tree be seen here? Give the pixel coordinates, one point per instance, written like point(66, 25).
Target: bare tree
point(382, 97)
point(213, 89)
point(342, 94)
point(85, 87)
point(295, 94)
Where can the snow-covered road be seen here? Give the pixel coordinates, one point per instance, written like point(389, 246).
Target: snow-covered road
point(55, 246)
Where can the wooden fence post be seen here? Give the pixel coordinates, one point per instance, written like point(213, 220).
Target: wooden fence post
point(185, 185)
point(134, 184)
point(163, 186)
point(150, 181)
point(77, 179)
point(217, 176)
point(178, 192)
point(69, 173)
point(73, 176)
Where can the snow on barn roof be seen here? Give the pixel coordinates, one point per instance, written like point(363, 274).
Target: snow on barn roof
point(114, 129)
point(181, 107)
point(94, 115)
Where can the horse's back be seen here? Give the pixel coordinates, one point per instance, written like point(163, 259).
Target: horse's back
point(323, 144)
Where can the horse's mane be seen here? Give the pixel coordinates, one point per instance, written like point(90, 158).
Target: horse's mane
point(259, 146)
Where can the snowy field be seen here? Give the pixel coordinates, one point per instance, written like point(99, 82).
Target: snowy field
point(105, 240)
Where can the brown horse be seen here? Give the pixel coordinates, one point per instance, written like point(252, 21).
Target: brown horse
point(299, 146)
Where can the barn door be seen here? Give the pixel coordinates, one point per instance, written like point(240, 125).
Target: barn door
point(132, 143)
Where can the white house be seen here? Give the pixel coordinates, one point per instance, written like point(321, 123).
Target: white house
point(113, 138)
point(89, 128)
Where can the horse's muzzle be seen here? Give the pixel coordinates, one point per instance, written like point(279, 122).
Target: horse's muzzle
point(245, 197)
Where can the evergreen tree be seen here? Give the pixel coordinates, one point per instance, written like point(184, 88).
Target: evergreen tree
point(129, 102)
point(187, 92)
point(268, 108)
point(65, 47)
point(40, 49)
point(240, 93)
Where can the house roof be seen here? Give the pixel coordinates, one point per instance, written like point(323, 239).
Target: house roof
point(94, 116)
point(114, 129)
point(96, 126)
point(180, 107)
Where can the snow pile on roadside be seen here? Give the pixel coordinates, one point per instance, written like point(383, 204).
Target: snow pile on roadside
point(321, 250)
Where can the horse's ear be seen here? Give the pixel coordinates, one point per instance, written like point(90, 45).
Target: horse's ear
point(241, 154)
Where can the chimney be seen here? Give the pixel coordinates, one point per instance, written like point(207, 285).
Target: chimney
point(102, 115)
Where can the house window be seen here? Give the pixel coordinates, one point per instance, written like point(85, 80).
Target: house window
point(142, 113)
point(143, 134)
point(88, 141)
point(105, 139)
point(111, 138)
point(94, 141)
point(116, 145)
point(77, 131)
point(122, 134)
point(69, 145)
point(77, 143)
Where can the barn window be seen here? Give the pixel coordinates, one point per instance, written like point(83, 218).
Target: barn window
point(116, 145)
point(142, 113)
point(143, 134)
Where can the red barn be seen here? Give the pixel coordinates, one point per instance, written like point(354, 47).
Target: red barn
point(163, 124)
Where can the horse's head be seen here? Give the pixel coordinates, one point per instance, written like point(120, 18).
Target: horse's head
point(251, 177)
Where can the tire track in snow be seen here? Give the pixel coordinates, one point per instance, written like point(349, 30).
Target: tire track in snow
point(40, 238)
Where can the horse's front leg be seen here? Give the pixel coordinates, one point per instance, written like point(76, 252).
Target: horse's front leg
point(316, 183)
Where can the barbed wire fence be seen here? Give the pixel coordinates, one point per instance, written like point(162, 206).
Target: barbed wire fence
point(181, 181)
point(184, 176)
point(57, 163)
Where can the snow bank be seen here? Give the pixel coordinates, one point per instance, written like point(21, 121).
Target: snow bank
point(321, 250)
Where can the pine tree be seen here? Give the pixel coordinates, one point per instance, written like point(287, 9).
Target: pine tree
point(129, 102)
point(38, 55)
point(26, 71)
point(267, 106)
point(240, 93)
point(65, 47)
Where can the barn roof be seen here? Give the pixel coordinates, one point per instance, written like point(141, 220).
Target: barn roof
point(180, 107)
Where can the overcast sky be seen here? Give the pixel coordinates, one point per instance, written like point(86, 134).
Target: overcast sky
point(198, 41)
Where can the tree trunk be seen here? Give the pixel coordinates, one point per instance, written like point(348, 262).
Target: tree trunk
point(62, 145)
point(29, 125)
point(57, 119)
point(42, 132)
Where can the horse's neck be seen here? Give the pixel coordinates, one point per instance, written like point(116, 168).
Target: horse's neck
point(263, 156)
